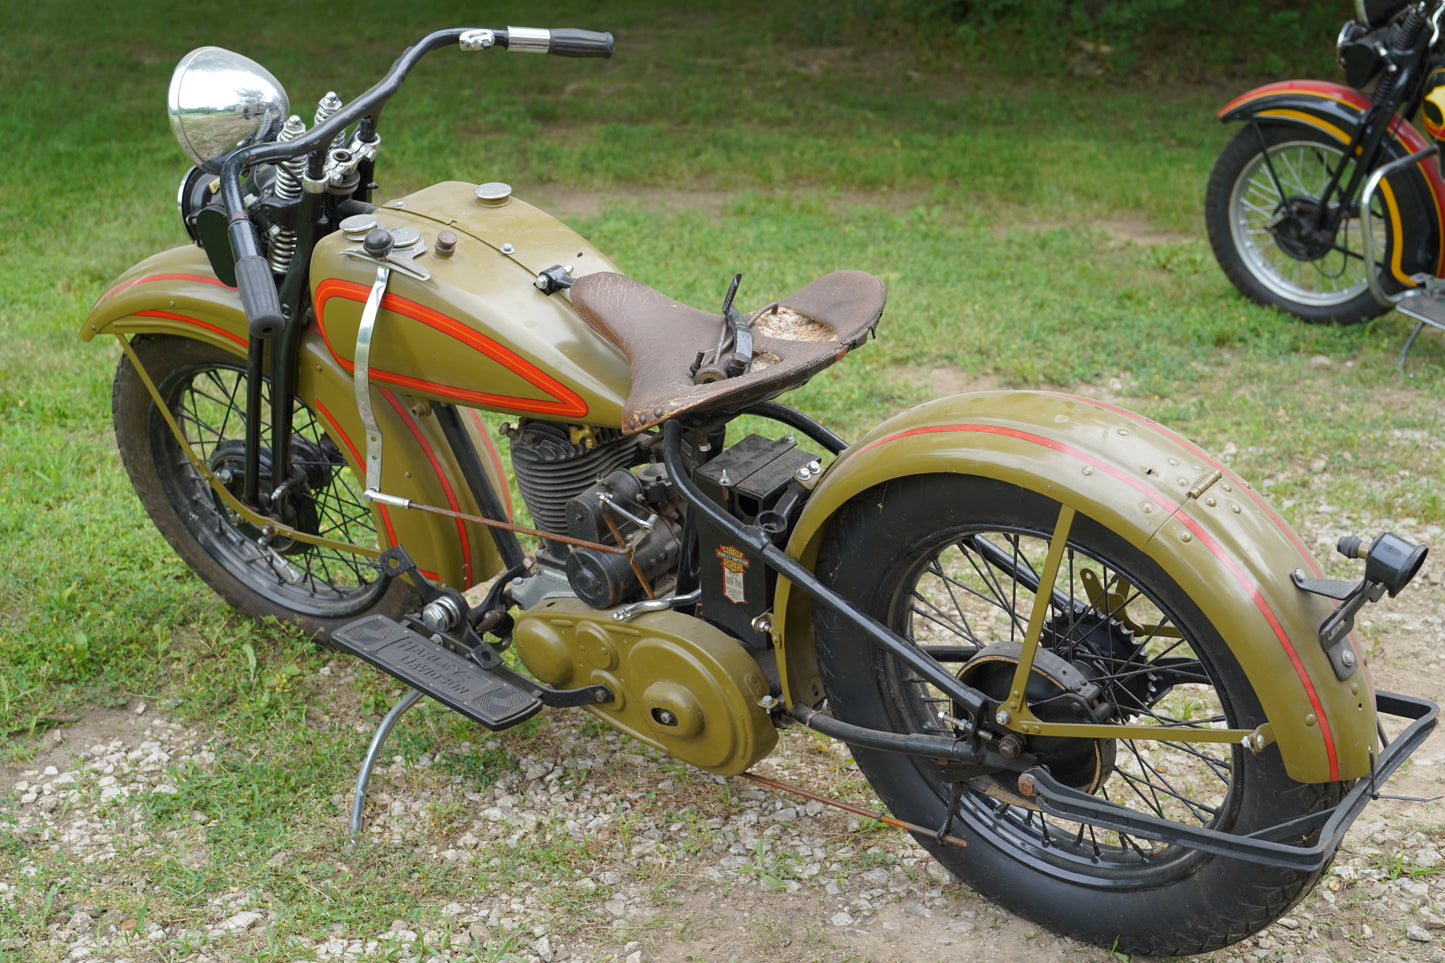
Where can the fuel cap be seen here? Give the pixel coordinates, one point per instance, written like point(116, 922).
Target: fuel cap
point(493, 194)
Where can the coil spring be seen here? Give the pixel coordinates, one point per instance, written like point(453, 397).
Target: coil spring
point(329, 105)
point(1409, 32)
point(288, 188)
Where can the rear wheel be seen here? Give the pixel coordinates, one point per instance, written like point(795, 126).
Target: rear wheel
point(953, 563)
point(1276, 238)
point(317, 588)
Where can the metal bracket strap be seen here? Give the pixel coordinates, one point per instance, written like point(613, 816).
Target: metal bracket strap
point(1265, 846)
point(1367, 228)
point(362, 374)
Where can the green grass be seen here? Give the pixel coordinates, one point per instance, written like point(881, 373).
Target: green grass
point(989, 200)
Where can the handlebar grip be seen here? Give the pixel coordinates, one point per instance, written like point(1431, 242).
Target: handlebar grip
point(570, 42)
point(258, 296)
point(563, 41)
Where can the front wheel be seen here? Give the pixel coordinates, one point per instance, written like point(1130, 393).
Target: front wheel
point(953, 563)
point(1279, 240)
point(316, 588)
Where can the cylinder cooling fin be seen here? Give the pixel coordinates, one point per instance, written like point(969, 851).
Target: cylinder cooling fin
point(556, 462)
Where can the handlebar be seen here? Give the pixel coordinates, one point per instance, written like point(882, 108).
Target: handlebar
point(253, 274)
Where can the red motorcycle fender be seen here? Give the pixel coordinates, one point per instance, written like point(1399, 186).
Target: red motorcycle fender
point(1414, 199)
point(1211, 532)
point(176, 293)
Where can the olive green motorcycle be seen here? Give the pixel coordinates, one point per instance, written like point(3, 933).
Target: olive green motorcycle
point(1091, 671)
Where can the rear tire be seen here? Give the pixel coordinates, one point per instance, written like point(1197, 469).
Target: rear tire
point(315, 588)
point(946, 561)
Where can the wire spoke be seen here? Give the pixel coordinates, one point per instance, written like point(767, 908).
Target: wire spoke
point(209, 405)
point(982, 587)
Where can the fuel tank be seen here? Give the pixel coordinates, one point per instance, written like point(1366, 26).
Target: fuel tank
point(476, 331)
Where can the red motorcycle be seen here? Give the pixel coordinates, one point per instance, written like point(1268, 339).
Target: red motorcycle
point(1327, 203)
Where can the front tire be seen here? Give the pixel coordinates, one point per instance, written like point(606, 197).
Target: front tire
point(1262, 188)
point(316, 588)
point(950, 562)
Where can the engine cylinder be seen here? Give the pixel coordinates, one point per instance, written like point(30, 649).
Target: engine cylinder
point(552, 467)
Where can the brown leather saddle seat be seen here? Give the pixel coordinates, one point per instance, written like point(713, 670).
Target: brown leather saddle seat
point(793, 340)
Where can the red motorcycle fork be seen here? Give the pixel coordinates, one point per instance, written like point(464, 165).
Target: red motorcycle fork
point(1337, 110)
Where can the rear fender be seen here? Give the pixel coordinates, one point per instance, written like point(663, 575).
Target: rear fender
point(1414, 199)
point(176, 293)
point(1204, 526)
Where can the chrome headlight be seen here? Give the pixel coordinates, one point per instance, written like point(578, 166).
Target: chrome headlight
point(220, 101)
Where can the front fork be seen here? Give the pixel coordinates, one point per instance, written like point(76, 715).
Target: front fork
point(1363, 150)
point(284, 347)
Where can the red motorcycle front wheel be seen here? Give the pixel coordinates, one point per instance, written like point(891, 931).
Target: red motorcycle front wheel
point(1260, 209)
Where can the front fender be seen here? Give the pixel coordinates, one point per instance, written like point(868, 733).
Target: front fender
point(1204, 526)
point(1414, 199)
point(176, 293)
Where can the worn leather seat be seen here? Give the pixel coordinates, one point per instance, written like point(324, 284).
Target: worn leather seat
point(792, 341)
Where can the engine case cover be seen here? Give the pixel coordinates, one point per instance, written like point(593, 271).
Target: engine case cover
point(678, 683)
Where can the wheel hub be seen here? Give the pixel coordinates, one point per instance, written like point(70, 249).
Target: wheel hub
point(1294, 229)
point(1056, 692)
point(296, 508)
point(1105, 651)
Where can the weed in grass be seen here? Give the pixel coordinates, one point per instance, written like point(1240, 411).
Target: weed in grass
point(774, 874)
point(1398, 867)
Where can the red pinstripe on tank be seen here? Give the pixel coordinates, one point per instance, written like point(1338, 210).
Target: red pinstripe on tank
point(436, 466)
point(340, 433)
point(562, 401)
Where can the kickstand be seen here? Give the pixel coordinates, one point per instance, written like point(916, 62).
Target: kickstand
point(1409, 343)
point(955, 796)
point(367, 764)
